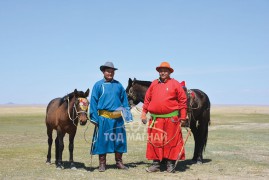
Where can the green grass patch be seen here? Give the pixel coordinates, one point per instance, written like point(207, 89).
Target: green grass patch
point(237, 148)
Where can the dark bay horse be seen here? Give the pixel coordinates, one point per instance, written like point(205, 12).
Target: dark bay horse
point(198, 112)
point(63, 115)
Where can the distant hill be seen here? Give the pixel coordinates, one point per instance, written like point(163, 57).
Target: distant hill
point(10, 103)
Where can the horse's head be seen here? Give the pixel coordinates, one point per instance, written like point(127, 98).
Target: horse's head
point(132, 99)
point(81, 106)
point(136, 91)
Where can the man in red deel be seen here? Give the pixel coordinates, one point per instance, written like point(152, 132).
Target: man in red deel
point(166, 102)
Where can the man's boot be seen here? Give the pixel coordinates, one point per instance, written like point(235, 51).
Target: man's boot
point(170, 166)
point(102, 162)
point(155, 166)
point(119, 163)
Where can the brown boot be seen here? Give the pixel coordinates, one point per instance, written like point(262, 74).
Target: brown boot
point(170, 166)
point(118, 159)
point(155, 166)
point(102, 162)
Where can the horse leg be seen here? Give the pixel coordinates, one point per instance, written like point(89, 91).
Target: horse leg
point(196, 141)
point(71, 149)
point(59, 149)
point(49, 133)
point(202, 137)
point(56, 150)
point(203, 134)
point(200, 147)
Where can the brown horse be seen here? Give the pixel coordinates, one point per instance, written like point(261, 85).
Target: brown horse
point(62, 115)
point(198, 112)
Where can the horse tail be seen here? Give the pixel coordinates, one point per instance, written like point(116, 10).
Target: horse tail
point(47, 109)
point(206, 116)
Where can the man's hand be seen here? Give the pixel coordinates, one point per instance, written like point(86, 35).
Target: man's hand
point(144, 118)
point(185, 123)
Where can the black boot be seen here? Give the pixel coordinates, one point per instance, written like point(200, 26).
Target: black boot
point(102, 162)
point(119, 163)
point(170, 166)
point(155, 166)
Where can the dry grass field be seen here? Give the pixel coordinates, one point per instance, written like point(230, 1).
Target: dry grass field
point(237, 148)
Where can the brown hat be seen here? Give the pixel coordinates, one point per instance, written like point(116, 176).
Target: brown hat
point(165, 65)
point(108, 65)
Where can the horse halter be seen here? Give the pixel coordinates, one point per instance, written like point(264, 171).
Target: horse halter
point(83, 104)
point(193, 100)
point(131, 92)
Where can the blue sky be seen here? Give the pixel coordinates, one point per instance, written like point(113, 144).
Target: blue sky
point(49, 48)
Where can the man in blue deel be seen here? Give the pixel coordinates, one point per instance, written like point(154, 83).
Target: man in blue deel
point(108, 109)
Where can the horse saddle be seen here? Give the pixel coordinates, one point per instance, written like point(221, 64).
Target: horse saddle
point(190, 94)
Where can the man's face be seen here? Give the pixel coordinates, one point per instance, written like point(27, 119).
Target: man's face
point(164, 73)
point(109, 74)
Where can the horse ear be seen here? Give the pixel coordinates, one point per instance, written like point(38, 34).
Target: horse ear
point(133, 81)
point(87, 92)
point(75, 92)
point(130, 81)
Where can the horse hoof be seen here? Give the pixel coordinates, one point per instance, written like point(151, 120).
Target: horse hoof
point(72, 166)
point(59, 167)
point(199, 162)
point(48, 162)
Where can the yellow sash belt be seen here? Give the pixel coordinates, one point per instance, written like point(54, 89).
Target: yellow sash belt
point(108, 114)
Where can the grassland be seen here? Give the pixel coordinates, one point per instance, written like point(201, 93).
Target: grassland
point(238, 148)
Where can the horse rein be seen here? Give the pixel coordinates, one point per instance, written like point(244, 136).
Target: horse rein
point(74, 109)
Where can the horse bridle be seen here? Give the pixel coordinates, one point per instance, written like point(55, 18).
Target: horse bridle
point(75, 110)
point(193, 100)
point(131, 94)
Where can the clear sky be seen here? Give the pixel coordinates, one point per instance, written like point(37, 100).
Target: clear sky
point(48, 48)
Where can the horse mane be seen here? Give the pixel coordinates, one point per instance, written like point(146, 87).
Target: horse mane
point(71, 95)
point(63, 99)
point(145, 83)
